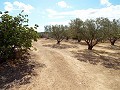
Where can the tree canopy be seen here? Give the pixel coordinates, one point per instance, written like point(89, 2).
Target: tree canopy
point(56, 31)
point(15, 34)
point(111, 29)
point(92, 31)
point(75, 27)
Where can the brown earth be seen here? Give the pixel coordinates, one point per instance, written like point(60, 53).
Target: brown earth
point(69, 67)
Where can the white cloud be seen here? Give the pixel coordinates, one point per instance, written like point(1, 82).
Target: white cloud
point(63, 4)
point(109, 12)
point(51, 11)
point(59, 23)
point(105, 2)
point(40, 28)
point(8, 6)
point(18, 6)
point(0, 20)
point(22, 6)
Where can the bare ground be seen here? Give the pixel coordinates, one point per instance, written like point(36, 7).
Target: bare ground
point(71, 67)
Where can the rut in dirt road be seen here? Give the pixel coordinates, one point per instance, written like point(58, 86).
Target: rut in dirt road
point(62, 71)
point(58, 74)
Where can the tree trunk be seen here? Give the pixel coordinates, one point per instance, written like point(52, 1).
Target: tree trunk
point(67, 38)
point(14, 53)
point(79, 40)
point(90, 47)
point(58, 42)
point(112, 42)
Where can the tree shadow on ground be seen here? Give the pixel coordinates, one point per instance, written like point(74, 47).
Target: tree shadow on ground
point(61, 46)
point(76, 42)
point(112, 47)
point(17, 72)
point(108, 60)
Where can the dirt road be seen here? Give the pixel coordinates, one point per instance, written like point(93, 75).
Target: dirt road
point(64, 72)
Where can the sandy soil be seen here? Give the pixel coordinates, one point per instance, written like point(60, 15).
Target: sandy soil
point(62, 71)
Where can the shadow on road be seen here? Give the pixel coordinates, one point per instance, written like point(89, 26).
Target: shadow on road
point(61, 46)
point(111, 47)
point(108, 60)
point(17, 72)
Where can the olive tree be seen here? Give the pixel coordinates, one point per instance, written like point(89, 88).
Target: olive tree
point(91, 33)
point(68, 33)
point(56, 31)
point(111, 29)
point(75, 27)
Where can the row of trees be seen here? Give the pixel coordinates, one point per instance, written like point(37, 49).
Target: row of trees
point(15, 35)
point(91, 31)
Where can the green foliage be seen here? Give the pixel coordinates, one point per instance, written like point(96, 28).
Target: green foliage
point(15, 34)
point(111, 29)
point(91, 30)
point(91, 33)
point(75, 27)
point(68, 33)
point(56, 31)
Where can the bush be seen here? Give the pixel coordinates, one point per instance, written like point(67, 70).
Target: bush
point(15, 35)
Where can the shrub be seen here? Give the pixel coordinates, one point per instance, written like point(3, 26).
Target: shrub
point(15, 35)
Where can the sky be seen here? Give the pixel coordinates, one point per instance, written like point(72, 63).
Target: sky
point(51, 12)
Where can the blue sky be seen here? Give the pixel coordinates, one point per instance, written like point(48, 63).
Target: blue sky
point(45, 12)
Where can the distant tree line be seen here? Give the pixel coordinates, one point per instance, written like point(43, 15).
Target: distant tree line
point(92, 31)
